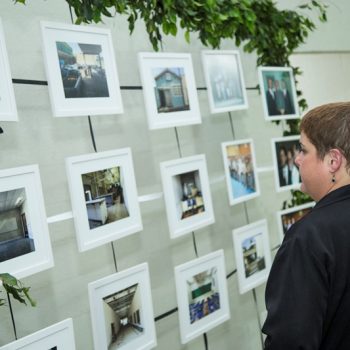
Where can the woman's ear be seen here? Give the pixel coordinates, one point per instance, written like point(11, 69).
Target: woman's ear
point(335, 159)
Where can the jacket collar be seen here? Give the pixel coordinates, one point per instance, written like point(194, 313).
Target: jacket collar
point(337, 195)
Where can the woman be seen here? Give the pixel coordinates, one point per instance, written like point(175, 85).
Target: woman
point(308, 290)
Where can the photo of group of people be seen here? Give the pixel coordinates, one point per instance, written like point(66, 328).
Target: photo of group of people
point(278, 92)
point(224, 78)
point(286, 150)
point(287, 217)
point(203, 294)
point(240, 170)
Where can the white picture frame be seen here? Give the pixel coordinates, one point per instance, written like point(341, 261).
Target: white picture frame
point(278, 93)
point(287, 217)
point(25, 246)
point(104, 197)
point(224, 80)
point(284, 151)
point(240, 170)
point(108, 297)
point(187, 194)
point(205, 307)
point(8, 109)
point(56, 337)
point(81, 70)
point(253, 264)
point(169, 89)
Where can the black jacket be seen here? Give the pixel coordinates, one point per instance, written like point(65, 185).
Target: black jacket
point(308, 289)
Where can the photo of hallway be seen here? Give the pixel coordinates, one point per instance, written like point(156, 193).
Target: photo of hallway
point(123, 318)
point(106, 201)
point(16, 236)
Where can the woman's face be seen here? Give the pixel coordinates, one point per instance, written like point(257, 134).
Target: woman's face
point(314, 172)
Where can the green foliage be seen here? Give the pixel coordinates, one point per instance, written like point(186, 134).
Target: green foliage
point(16, 288)
point(298, 198)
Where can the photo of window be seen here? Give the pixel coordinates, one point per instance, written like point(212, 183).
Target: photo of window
point(202, 298)
point(203, 294)
point(16, 236)
point(186, 194)
point(25, 246)
point(240, 170)
point(104, 196)
point(285, 150)
point(169, 89)
point(224, 80)
point(82, 69)
point(252, 253)
point(287, 217)
point(188, 189)
point(122, 311)
point(278, 93)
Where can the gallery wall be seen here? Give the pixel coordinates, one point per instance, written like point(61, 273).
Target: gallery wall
point(39, 138)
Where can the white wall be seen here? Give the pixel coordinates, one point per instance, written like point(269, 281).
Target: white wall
point(39, 138)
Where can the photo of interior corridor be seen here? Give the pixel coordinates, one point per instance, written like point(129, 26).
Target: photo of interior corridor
point(123, 317)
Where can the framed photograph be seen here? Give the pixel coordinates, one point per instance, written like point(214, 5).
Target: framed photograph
point(253, 256)
point(122, 312)
point(104, 197)
point(202, 297)
point(8, 109)
point(169, 89)
point(224, 79)
point(59, 336)
point(187, 194)
point(240, 170)
point(278, 93)
point(81, 70)
point(25, 246)
point(284, 151)
point(287, 217)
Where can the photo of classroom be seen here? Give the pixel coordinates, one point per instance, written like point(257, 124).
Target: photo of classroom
point(170, 89)
point(16, 236)
point(105, 197)
point(188, 194)
point(253, 255)
point(123, 316)
point(203, 294)
point(241, 169)
point(82, 70)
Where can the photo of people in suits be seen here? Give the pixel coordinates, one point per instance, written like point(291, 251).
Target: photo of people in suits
point(278, 93)
point(288, 172)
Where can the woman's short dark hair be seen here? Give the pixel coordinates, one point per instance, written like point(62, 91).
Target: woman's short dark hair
point(328, 127)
